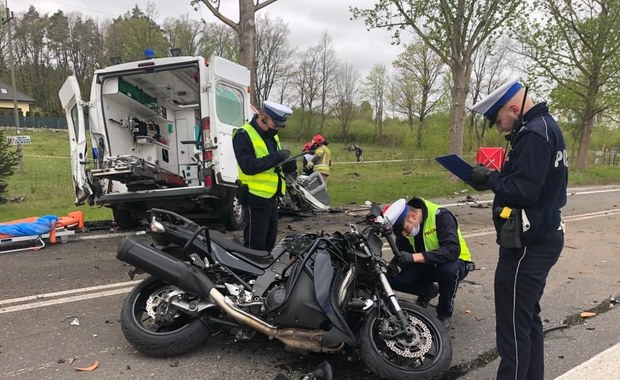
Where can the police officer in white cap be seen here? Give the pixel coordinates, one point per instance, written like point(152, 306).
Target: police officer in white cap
point(432, 249)
point(529, 192)
point(259, 154)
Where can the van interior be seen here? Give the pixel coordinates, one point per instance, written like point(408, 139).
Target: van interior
point(153, 117)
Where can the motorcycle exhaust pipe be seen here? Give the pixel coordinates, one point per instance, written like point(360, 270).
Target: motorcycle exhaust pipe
point(165, 267)
point(192, 280)
point(293, 339)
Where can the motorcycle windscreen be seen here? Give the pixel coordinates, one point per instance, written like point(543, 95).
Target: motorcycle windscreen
point(324, 281)
point(70, 99)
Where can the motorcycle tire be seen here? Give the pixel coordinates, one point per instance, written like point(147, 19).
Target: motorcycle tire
point(183, 335)
point(429, 359)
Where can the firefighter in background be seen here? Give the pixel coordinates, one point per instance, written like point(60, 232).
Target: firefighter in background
point(322, 159)
point(259, 154)
point(308, 152)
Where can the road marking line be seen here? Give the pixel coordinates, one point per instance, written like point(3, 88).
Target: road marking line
point(70, 291)
point(57, 301)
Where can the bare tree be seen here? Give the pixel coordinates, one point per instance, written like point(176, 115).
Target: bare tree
point(419, 69)
point(245, 29)
point(220, 40)
point(274, 55)
point(348, 86)
point(183, 33)
point(307, 84)
point(328, 66)
point(376, 86)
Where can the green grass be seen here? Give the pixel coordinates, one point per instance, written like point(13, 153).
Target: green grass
point(47, 188)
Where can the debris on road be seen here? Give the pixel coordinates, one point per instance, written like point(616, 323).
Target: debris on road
point(75, 322)
point(587, 314)
point(91, 367)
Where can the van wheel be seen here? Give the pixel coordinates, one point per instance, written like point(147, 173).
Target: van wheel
point(231, 211)
point(125, 218)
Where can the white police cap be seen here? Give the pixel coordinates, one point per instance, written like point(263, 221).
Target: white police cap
point(395, 214)
point(278, 112)
point(490, 104)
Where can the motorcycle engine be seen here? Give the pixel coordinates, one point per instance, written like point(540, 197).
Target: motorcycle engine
point(275, 297)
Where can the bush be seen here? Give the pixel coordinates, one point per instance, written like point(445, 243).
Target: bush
point(8, 161)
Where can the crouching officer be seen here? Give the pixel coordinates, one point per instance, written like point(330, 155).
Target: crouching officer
point(529, 192)
point(432, 250)
point(258, 152)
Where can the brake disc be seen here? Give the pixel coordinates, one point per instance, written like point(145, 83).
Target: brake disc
point(415, 348)
point(156, 305)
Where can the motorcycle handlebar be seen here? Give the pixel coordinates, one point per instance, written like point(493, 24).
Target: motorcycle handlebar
point(392, 243)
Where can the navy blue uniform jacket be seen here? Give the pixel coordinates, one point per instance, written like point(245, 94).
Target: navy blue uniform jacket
point(535, 174)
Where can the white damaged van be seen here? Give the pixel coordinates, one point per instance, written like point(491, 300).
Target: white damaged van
point(160, 136)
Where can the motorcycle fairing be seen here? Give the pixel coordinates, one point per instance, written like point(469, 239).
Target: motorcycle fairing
point(325, 282)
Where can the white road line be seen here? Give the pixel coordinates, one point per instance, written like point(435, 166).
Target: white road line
point(58, 301)
point(66, 292)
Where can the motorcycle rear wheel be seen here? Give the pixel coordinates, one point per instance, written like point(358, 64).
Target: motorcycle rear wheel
point(426, 357)
point(179, 335)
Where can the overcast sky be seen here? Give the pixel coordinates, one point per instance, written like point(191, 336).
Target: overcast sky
point(306, 19)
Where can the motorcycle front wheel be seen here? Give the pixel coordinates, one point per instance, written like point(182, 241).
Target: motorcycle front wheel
point(155, 328)
point(425, 355)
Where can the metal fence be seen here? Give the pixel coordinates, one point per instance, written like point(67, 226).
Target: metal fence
point(36, 122)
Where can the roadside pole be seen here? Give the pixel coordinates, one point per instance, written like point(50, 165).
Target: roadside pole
point(7, 21)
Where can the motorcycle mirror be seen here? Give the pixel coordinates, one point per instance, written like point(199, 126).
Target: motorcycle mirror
point(156, 226)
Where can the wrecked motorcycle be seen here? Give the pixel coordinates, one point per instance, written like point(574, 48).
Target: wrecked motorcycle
point(304, 194)
point(312, 292)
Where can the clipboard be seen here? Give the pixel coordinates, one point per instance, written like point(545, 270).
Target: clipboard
point(460, 168)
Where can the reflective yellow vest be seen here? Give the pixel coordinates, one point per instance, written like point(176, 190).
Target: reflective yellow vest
point(263, 184)
point(431, 241)
point(325, 158)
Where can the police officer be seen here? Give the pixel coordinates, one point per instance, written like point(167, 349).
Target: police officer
point(258, 152)
point(529, 192)
point(432, 250)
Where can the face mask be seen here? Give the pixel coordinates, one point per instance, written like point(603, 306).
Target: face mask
point(415, 231)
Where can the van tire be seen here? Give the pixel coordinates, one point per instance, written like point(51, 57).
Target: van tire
point(231, 212)
point(125, 218)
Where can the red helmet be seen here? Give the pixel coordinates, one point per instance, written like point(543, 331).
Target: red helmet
point(318, 139)
point(307, 146)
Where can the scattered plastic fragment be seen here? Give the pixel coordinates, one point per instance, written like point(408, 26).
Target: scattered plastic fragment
point(91, 367)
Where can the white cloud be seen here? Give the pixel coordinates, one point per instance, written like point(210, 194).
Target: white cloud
point(307, 20)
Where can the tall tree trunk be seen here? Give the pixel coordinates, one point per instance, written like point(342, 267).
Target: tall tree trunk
point(586, 131)
point(247, 44)
point(457, 113)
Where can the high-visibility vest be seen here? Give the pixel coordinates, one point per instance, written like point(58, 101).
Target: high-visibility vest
point(325, 157)
point(431, 240)
point(263, 184)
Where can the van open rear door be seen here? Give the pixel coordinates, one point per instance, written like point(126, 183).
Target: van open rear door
point(71, 101)
point(229, 105)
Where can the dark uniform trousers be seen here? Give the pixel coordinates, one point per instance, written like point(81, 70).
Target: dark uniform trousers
point(261, 222)
point(418, 279)
point(520, 278)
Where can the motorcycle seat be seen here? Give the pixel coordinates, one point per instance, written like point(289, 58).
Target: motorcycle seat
point(229, 245)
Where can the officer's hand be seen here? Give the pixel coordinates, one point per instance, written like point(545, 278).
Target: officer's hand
point(310, 165)
point(393, 270)
point(480, 175)
point(284, 154)
point(405, 258)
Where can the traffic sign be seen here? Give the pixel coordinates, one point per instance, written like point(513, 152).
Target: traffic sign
point(18, 140)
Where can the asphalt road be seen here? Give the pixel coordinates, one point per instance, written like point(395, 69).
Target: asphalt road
point(45, 294)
